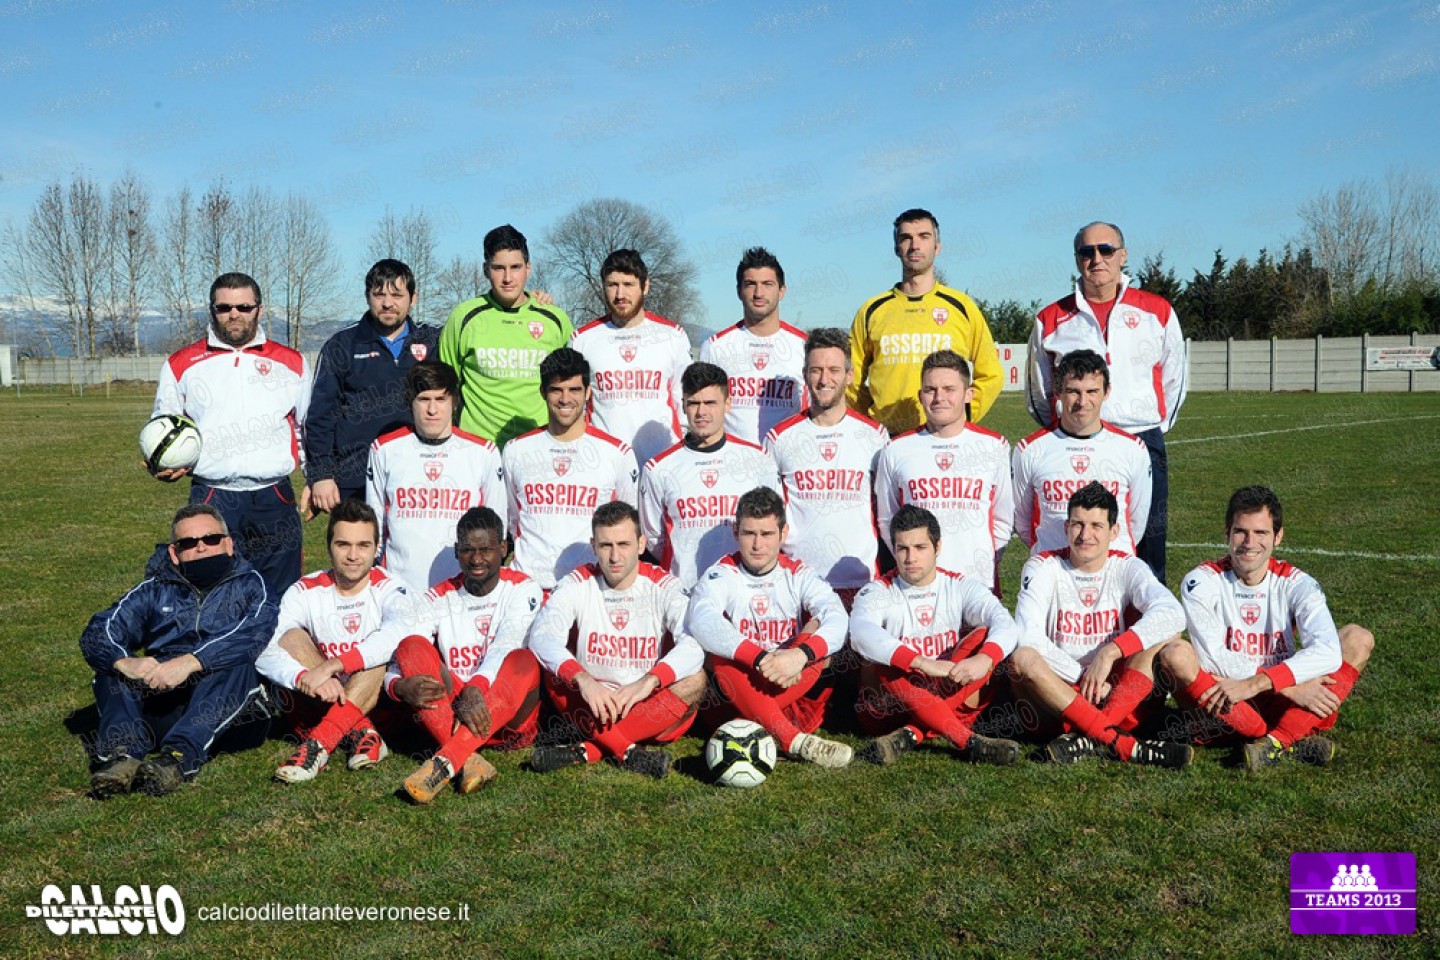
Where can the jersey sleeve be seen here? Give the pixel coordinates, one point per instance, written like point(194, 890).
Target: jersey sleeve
point(1202, 599)
point(685, 657)
point(627, 477)
point(871, 625)
point(1002, 524)
point(302, 403)
point(985, 359)
point(1032, 608)
point(493, 492)
point(119, 632)
point(858, 393)
point(274, 663)
point(1140, 487)
point(819, 601)
point(1026, 502)
point(1161, 616)
point(322, 415)
point(396, 623)
point(375, 494)
point(1002, 634)
point(652, 509)
point(522, 608)
point(423, 622)
point(511, 513)
point(1039, 394)
point(1174, 372)
point(550, 633)
point(1320, 654)
point(887, 496)
point(450, 343)
point(169, 398)
point(707, 623)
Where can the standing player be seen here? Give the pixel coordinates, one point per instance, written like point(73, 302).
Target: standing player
point(1083, 655)
point(1245, 613)
point(337, 630)
point(688, 493)
point(763, 356)
point(360, 386)
point(771, 625)
point(936, 638)
point(1144, 350)
point(248, 395)
point(422, 478)
point(495, 344)
point(556, 477)
point(894, 332)
point(826, 457)
point(954, 469)
point(637, 358)
point(1053, 463)
point(634, 675)
point(464, 671)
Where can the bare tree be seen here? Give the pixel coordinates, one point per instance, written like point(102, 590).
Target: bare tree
point(91, 249)
point(50, 260)
point(411, 240)
point(213, 229)
point(254, 231)
point(308, 265)
point(1383, 235)
point(18, 272)
point(179, 274)
point(578, 243)
point(133, 245)
point(460, 280)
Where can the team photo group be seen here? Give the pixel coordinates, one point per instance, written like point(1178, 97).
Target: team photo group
point(585, 543)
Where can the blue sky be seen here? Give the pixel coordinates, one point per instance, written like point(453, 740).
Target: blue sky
point(805, 126)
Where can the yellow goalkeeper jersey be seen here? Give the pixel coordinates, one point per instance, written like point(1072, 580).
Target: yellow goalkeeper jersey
point(894, 333)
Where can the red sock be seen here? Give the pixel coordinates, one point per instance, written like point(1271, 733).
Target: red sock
point(1297, 723)
point(753, 697)
point(1131, 688)
point(1093, 724)
point(519, 674)
point(647, 719)
point(934, 714)
point(335, 724)
point(1241, 717)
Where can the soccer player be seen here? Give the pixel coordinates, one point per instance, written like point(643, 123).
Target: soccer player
point(557, 476)
point(894, 332)
point(688, 493)
point(1143, 348)
point(1054, 462)
point(826, 458)
point(1091, 621)
point(958, 471)
point(637, 358)
point(422, 478)
point(634, 676)
point(200, 616)
point(359, 390)
point(464, 671)
point(1264, 656)
point(336, 632)
point(763, 355)
point(936, 638)
point(496, 342)
point(248, 395)
point(771, 625)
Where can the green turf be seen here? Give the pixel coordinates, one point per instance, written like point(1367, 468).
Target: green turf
point(929, 858)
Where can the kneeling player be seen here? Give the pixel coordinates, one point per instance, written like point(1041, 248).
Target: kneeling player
point(336, 632)
point(464, 669)
point(634, 676)
point(1080, 656)
point(937, 638)
point(747, 612)
point(1244, 612)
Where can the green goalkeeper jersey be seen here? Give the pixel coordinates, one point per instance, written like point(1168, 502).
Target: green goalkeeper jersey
point(497, 352)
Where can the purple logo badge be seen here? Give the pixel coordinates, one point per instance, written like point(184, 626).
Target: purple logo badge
point(1352, 893)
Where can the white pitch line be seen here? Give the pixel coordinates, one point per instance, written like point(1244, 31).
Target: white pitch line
point(1319, 552)
point(1313, 426)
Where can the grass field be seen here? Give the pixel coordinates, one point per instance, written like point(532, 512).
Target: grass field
point(929, 858)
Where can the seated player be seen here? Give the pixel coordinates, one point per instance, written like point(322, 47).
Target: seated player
point(634, 676)
point(556, 476)
point(201, 615)
point(1053, 463)
point(337, 630)
point(464, 670)
point(936, 637)
point(771, 625)
point(422, 478)
point(1083, 655)
point(1243, 665)
point(688, 493)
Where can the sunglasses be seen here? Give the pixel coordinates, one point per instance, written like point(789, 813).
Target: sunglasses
point(190, 543)
point(246, 308)
point(1089, 251)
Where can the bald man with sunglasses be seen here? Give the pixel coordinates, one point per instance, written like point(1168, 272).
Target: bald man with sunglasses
point(1139, 336)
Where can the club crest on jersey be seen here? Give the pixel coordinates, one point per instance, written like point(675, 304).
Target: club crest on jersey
point(940, 315)
point(761, 359)
point(1250, 613)
point(419, 350)
point(562, 466)
point(537, 329)
point(263, 367)
point(482, 624)
point(760, 605)
point(710, 477)
point(1132, 319)
point(351, 622)
point(1080, 462)
point(925, 615)
point(1089, 595)
point(828, 449)
point(945, 460)
point(619, 616)
point(628, 353)
point(433, 469)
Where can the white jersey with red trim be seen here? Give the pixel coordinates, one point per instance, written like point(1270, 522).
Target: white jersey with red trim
point(370, 623)
point(248, 402)
point(474, 634)
point(766, 374)
point(895, 621)
point(616, 636)
point(1281, 627)
point(738, 615)
point(965, 481)
point(687, 502)
point(553, 487)
point(827, 473)
point(1067, 614)
point(635, 381)
point(1050, 465)
point(419, 489)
